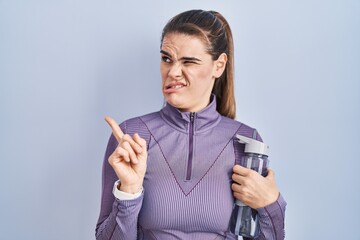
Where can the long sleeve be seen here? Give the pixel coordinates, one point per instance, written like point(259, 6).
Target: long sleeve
point(272, 221)
point(121, 224)
point(118, 218)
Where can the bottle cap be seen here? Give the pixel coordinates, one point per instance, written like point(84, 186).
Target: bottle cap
point(253, 146)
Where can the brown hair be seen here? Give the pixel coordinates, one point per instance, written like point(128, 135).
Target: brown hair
point(215, 31)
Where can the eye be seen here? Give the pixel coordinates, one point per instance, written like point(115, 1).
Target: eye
point(189, 62)
point(165, 59)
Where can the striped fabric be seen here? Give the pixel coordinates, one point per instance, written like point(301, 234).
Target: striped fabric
point(176, 204)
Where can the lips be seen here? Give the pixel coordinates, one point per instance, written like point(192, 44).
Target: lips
point(173, 87)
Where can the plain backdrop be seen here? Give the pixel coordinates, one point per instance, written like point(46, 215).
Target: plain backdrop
point(64, 65)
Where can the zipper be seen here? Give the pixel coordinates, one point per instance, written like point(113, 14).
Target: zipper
point(191, 146)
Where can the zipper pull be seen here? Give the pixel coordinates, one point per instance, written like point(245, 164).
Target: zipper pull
point(192, 117)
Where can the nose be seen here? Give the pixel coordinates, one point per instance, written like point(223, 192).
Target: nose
point(175, 71)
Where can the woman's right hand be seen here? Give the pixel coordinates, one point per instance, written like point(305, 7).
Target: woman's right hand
point(129, 159)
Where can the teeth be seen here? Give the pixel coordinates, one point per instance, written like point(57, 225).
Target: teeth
point(177, 86)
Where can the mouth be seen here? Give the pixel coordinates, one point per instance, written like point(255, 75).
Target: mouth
point(177, 85)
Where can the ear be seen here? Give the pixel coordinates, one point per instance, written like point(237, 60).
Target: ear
point(220, 65)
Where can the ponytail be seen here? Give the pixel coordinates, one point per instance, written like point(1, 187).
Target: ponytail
point(224, 86)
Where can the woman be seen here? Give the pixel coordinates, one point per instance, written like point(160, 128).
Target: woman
point(174, 170)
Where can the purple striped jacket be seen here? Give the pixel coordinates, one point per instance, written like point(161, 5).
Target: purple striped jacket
point(187, 186)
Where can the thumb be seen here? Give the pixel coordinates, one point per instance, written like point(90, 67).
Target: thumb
point(139, 140)
point(270, 174)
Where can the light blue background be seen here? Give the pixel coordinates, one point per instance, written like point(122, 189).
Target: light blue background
point(65, 65)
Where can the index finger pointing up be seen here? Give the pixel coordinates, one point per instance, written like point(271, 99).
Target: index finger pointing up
point(118, 134)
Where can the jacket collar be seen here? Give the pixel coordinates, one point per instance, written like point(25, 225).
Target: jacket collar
point(203, 120)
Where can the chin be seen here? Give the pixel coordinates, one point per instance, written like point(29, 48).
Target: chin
point(175, 102)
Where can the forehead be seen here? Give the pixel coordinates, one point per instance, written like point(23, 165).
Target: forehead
point(180, 45)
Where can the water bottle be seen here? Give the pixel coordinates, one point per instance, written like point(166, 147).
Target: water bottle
point(244, 220)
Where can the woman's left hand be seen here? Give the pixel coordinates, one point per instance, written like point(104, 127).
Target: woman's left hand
point(253, 189)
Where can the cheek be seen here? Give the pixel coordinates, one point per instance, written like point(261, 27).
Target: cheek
point(201, 76)
point(163, 73)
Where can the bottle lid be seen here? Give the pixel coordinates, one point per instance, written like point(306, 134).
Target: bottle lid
point(253, 146)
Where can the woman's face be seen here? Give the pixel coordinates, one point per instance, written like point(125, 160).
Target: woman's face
point(188, 72)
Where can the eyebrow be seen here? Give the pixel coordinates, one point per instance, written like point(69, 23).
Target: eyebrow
point(183, 58)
